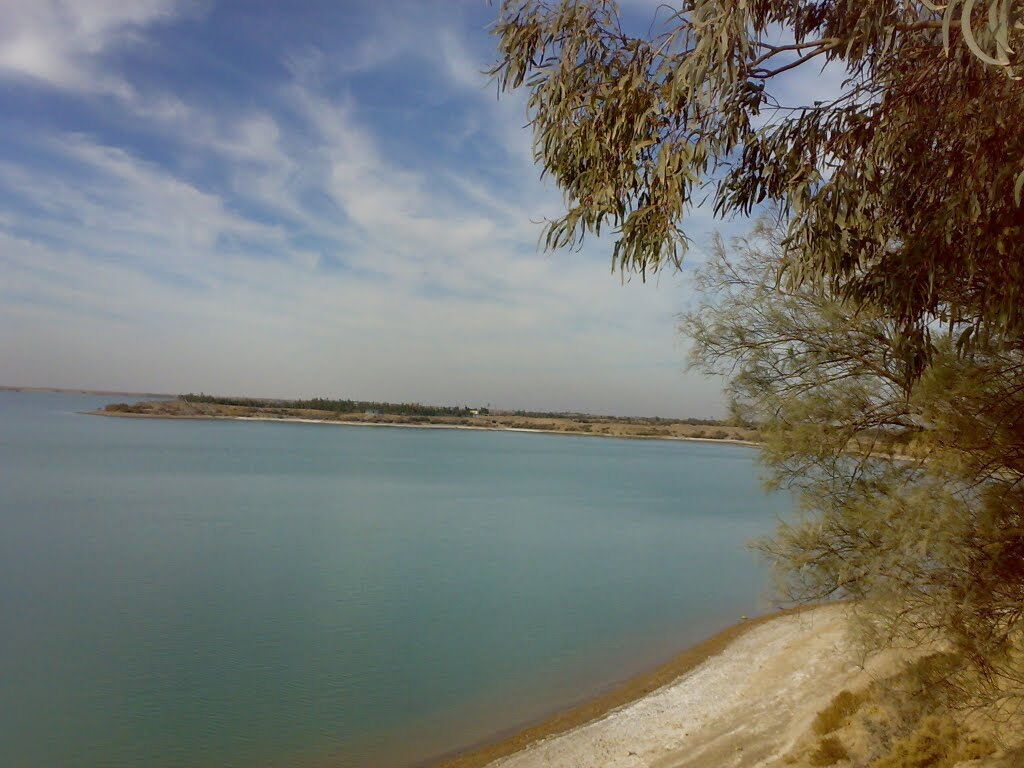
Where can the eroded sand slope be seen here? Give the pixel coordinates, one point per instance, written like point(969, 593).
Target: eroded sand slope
point(743, 707)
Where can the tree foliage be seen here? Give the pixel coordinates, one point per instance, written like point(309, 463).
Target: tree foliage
point(912, 486)
point(904, 189)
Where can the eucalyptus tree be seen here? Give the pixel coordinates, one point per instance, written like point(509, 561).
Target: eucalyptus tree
point(902, 189)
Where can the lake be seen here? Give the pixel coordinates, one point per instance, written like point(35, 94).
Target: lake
point(201, 593)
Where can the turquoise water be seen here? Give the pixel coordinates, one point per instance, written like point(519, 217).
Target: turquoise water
point(195, 593)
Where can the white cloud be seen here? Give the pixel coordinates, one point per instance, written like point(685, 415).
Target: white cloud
point(506, 118)
point(312, 260)
point(59, 41)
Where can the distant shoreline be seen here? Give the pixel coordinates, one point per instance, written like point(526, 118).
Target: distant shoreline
point(73, 391)
point(406, 425)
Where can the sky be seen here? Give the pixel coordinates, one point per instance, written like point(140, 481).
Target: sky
point(312, 198)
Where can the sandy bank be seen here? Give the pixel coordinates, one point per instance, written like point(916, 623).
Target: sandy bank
point(343, 423)
point(745, 698)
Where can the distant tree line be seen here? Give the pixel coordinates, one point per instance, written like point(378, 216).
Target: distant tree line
point(418, 409)
point(337, 406)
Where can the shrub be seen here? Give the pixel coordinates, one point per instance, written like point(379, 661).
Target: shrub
point(923, 687)
point(936, 743)
point(828, 752)
point(839, 710)
point(719, 434)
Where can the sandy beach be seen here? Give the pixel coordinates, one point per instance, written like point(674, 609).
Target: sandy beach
point(741, 699)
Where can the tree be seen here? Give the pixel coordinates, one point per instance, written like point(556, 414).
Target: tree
point(876, 336)
point(903, 190)
point(912, 487)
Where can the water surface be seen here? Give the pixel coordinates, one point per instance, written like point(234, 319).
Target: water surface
point(198, 593)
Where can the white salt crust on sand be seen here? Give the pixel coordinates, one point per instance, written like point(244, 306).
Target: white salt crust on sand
point(743, 707)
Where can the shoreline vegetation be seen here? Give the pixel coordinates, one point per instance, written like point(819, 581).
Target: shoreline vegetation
point(355, 413)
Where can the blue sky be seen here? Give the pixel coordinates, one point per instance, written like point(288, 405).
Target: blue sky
point(320, 197)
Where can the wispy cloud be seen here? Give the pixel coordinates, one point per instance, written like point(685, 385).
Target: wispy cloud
point(363, 222)
point(60, 42)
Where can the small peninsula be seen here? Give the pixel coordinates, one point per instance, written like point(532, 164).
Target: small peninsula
point(366, 413)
